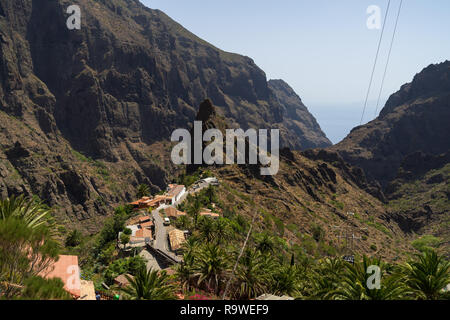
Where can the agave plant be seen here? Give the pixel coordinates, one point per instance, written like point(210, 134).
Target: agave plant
point(427, 276)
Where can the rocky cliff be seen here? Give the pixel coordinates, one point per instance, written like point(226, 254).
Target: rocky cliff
point(415, 119)
point(86, 114)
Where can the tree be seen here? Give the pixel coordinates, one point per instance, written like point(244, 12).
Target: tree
point(210, 193)
point(286, 281)
point(183, 223)
point(185, 271)
point(37, 288)
point(32, 211)
point(149, 285)
point(73, 239)
point(353, 285)
point(211, 267)
point(207, 229)
point(131, 265)
point(124, 239)
point(252, 278)
point(24, 252)
point(194, 210)
point(265, 243)
point(324, 279)
point(222, 230)
point(143, 190)
point(427, 276)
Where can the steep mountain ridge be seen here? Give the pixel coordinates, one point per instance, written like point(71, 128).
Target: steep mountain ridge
point(415, 119)
point(87, 114)
point(406, 150)
point(315, 203)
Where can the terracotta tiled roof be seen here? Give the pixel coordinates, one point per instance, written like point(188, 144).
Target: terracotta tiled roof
point(172, 212)
point(143, 233)
point(67, 269)
point(209, 214)
point(147, 224)
point(122, 280)
point(174, 190)
point(144, 219)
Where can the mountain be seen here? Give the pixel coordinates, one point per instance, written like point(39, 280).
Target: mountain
point(300, 123)
point(307, 203)
point(414, 119)
point(406, 150)
point(86, 115)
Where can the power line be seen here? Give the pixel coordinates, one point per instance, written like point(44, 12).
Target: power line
point(375, 63)
point(389, 57)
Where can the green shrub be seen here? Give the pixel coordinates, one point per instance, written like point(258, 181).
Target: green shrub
point(426, 242)
point(73, 239)
point(318, 232)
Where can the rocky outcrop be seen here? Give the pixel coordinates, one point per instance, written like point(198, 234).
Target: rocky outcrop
point(415, 119)
point(86, 114)
point(301, 125)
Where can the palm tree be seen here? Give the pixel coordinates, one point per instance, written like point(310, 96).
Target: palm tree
point(210, 192)
point(185, 270)
point(207, 229)
point(32, 211)
point(287, 280)
point(149, 285)
point(222, 230)
point(427, 276)
point(211, 267)
point(354, 286)
point(183, 222)
point(143, 190)
point(265, 243)
point(194, 210)
point(191, 245)
point(252, 278)
point(325, 278)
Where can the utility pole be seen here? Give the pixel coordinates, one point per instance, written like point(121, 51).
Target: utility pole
point(350, 237)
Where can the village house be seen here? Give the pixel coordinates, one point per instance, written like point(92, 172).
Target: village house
point(68, 270)
point(208, 213)
point(142, 203)
point(141, 235)
point(176, 240)
point(173, 213)
point(175, 192)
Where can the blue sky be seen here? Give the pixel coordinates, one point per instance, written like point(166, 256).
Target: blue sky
point(323, 48)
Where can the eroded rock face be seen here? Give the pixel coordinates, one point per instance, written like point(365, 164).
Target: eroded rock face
point(301, 124)
point(93, 109)
point(415, 119)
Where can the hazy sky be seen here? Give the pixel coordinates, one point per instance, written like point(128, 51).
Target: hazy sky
point(323, 48)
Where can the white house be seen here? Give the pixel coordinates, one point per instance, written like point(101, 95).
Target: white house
point(176, 191)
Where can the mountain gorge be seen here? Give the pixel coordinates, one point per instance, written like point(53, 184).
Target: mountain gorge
point(406, 151)
point(86, 115)
point(415, 119)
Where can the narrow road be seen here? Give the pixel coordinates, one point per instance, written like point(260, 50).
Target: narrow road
point(161, 241)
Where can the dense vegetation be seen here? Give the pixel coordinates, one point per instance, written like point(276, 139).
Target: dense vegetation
point(28, 246)
point(215, 264)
